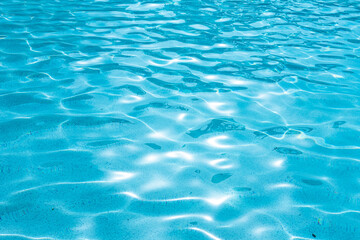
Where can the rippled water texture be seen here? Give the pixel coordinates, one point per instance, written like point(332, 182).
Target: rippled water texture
point(182, 119)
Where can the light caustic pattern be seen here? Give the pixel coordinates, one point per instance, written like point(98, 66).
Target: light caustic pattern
point(201, 119)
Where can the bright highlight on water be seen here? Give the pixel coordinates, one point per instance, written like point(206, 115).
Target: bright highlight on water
point(180, 120)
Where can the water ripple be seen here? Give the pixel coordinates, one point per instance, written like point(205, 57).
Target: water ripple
point(202, 119)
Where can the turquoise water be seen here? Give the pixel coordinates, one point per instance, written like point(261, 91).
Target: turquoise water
point(211, 119)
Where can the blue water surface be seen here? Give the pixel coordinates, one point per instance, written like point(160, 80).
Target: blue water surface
point(181, 119)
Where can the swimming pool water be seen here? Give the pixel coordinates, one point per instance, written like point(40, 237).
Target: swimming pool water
point(201, 119)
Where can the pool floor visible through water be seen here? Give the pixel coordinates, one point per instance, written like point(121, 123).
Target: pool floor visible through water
point(180, 120)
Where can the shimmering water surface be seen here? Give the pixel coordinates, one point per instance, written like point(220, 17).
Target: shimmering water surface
point(182, 119)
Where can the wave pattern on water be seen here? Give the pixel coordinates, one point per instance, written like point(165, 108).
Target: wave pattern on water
point(201, 119)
